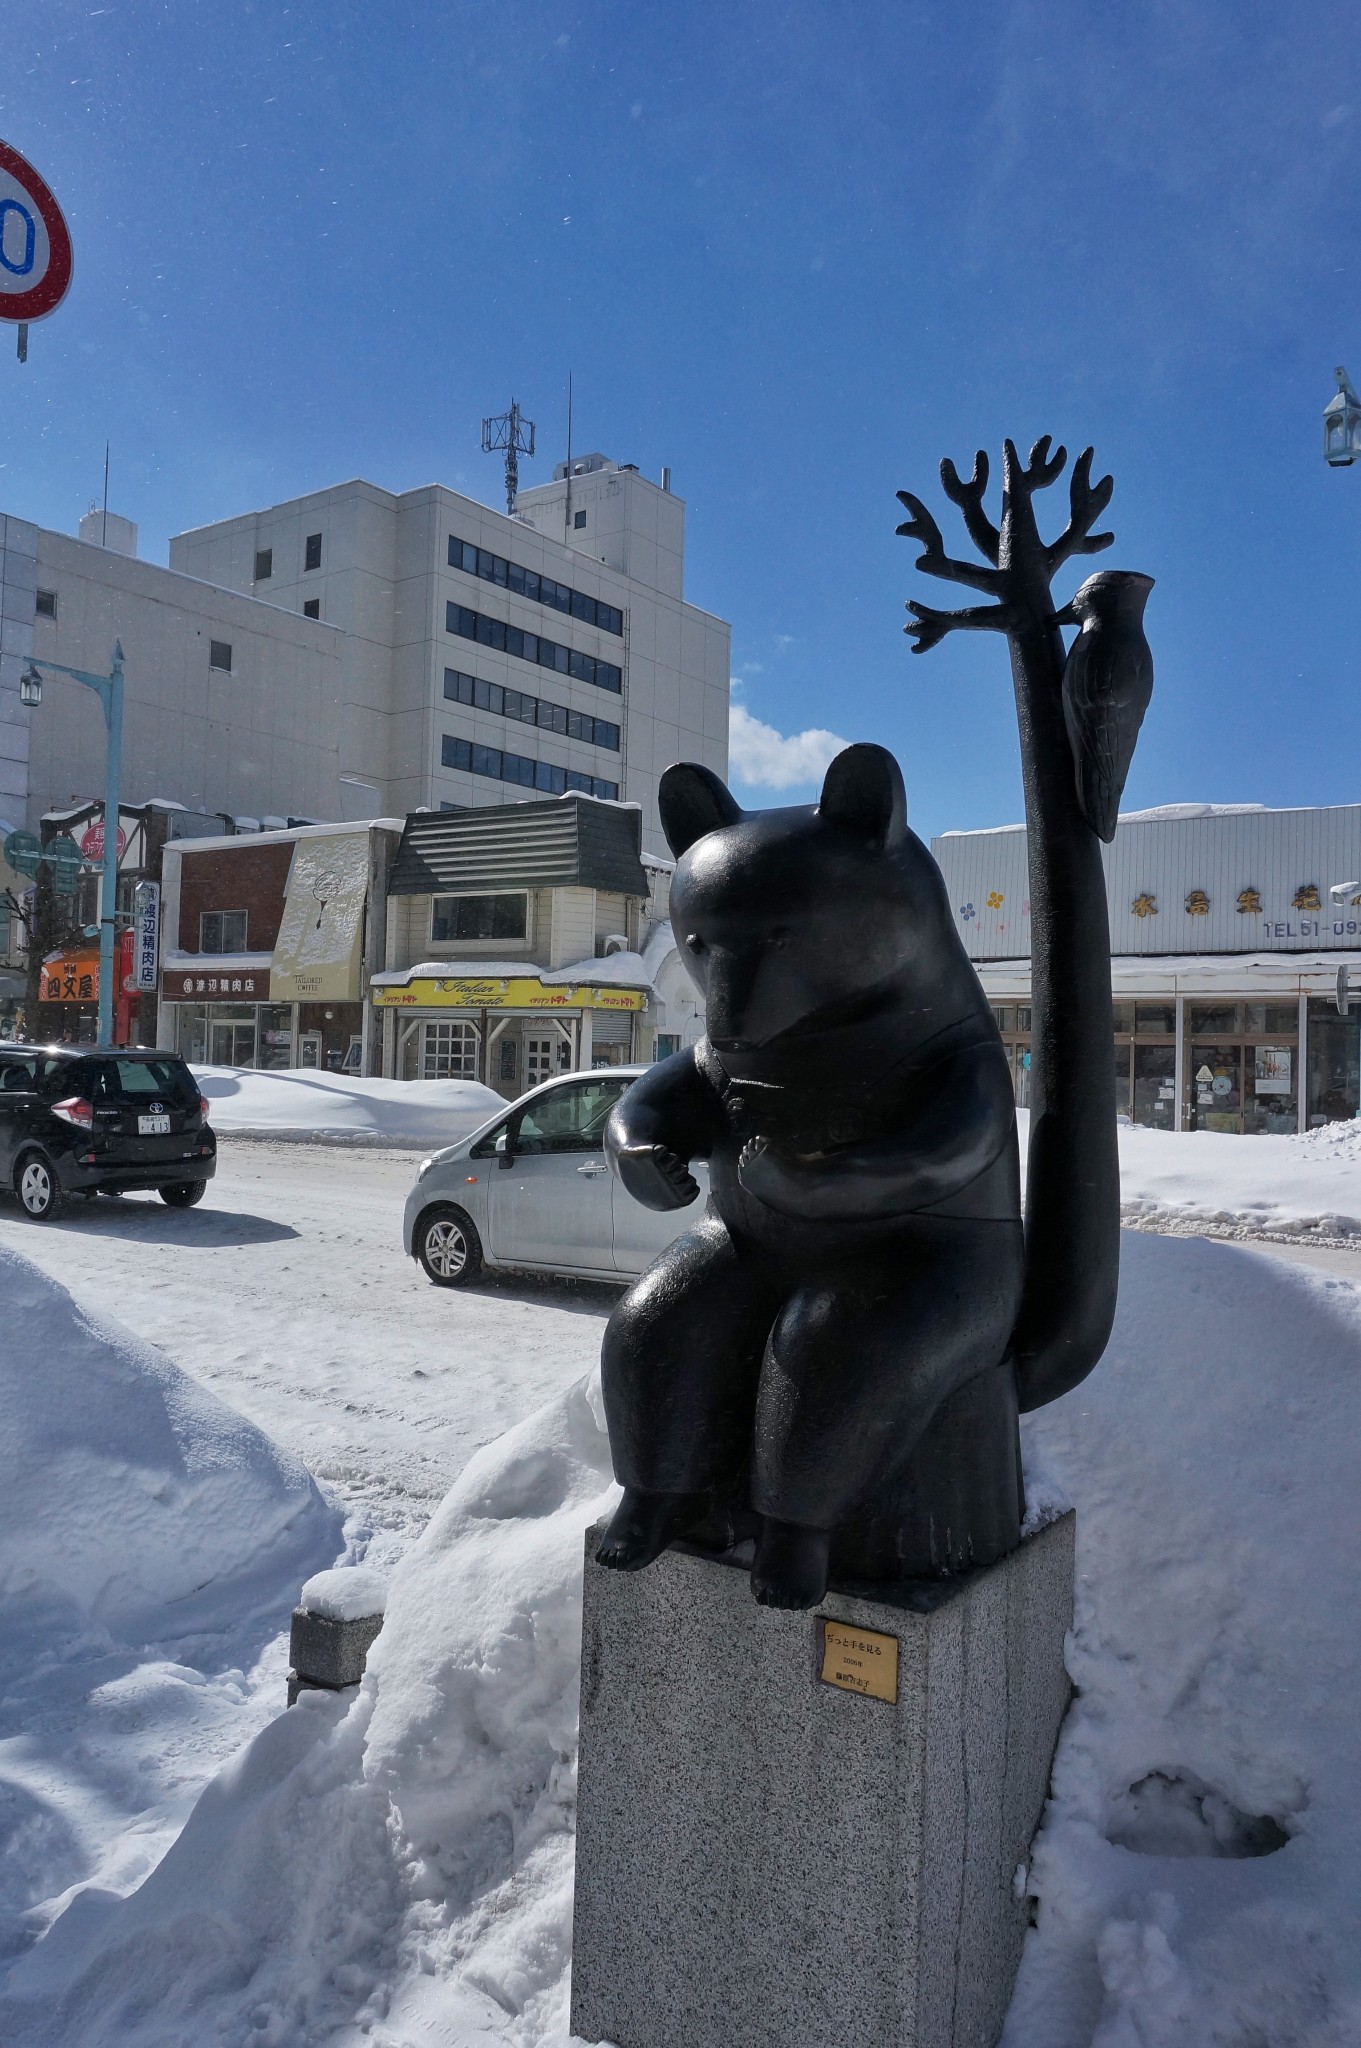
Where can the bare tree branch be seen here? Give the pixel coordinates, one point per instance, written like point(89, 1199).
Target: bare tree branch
point(929, 627)
point(934, 560)
point(969, 498)
point(1088, 501)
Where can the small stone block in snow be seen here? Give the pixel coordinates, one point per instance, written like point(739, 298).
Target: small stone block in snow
point(766, 1860)
point(327, 1652)
point(348, 1593)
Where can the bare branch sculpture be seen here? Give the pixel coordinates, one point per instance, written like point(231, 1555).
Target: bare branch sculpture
point(1078, 716)
point(969, 497)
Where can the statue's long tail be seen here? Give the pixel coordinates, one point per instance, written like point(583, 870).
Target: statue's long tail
point(1072, 1209)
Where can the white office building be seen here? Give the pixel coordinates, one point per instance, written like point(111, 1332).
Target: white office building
point(360, 651)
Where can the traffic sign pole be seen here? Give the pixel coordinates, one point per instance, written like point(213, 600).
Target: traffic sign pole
point(35, 247)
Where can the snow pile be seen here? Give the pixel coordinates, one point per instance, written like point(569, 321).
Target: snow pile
point(396, 1860)
point(1304, 1185)
point(401, 1867)
point(129, 1490)
point(343, 1108)
point(1217, 1652)
point(151, 1544)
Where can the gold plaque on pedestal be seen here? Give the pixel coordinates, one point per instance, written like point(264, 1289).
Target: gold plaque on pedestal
point(860, 1660)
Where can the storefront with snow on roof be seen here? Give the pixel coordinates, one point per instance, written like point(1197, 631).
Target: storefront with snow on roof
point(1235, 932)
point(526, 940)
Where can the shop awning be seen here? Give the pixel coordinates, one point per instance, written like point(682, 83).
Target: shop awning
point(510, 992)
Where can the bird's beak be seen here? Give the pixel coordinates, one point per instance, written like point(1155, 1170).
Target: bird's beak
point(1066, 617)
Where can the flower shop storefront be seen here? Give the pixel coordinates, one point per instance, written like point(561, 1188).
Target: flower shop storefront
point(508, 1032)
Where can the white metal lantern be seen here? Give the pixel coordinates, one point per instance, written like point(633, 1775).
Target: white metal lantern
point(1342, 423)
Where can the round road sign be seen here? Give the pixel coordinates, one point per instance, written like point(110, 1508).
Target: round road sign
point(35, 246)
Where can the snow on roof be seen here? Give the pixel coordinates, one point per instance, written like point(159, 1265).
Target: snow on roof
point(1162, 814)
point(454, 970)
point(216, 963)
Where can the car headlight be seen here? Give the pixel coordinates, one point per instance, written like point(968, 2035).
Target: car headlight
point(424, 1167)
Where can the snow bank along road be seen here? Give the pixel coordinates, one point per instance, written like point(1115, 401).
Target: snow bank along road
point(288, 1293)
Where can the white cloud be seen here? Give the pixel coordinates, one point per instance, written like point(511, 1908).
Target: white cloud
point(767, 759)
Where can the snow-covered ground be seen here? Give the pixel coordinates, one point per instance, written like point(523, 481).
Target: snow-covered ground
point(398, 1868)
point(341, 1108)
point(1302, 1186)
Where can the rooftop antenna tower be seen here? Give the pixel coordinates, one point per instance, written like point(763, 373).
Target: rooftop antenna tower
point(512, 434)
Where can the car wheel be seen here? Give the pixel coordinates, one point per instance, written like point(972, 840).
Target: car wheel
point(184, 1193)
point(38, 1189)
point(448, 1247)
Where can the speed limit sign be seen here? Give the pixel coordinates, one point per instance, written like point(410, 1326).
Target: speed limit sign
point(35, 245)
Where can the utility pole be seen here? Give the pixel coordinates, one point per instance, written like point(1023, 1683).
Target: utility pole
point(109, 689)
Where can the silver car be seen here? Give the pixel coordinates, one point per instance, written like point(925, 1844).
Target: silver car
point(533, 1189)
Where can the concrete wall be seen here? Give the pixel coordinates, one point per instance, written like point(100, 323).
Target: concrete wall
point(260, 740)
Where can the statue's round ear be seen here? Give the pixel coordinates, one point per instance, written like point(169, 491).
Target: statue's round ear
point(692, 801)
point(863, 790)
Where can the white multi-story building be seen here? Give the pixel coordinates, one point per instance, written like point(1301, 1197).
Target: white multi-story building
point(359, 651)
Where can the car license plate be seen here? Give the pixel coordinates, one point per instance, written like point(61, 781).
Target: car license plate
point(153, 1126)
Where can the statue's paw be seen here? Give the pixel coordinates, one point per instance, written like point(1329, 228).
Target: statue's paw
point(791, 1564)
point(643, 1524)
point(656, 1177)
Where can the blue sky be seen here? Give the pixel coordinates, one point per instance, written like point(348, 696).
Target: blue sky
point(797, 253)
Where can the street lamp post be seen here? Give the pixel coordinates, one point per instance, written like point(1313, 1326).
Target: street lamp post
point(109, 690)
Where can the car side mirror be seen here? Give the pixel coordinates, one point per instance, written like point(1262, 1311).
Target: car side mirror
point(503, 1152)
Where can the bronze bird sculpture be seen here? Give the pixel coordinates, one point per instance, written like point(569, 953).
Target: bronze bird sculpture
point(1107, 682)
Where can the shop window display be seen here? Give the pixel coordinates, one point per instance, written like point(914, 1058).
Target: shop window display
point(1333, 1092)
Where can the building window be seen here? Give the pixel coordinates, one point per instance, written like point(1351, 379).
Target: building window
point(501, 766)
point(578, 520)
point(517, 704)
point(222, 931)
point(667, 1046)
point(478, 917)
point(45, 604)
point(449, 1052)
point(311, 552)
point(470, 625)
point(593, 611)
point(264, 564)
point(220, 655)
point(312, 608)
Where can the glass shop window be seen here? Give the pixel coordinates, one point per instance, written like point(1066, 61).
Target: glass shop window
point(1213, 1018)
point(1277, 1019)
point(1333, 1081)
point(478, 917)
point(1156, 1019)
point(1155, 1101)
point(1270, 1090)
point(222, 931)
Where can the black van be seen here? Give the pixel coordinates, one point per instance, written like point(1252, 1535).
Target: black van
point(82, 1120)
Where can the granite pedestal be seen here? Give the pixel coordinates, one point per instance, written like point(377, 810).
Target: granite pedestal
point(766, 1860)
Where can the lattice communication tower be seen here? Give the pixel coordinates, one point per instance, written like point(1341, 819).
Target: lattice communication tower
point(512, 434)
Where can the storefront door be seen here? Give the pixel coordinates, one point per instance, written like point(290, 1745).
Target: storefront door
point(1246, 1076)
point(231, 1043)
point(546, 1054)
